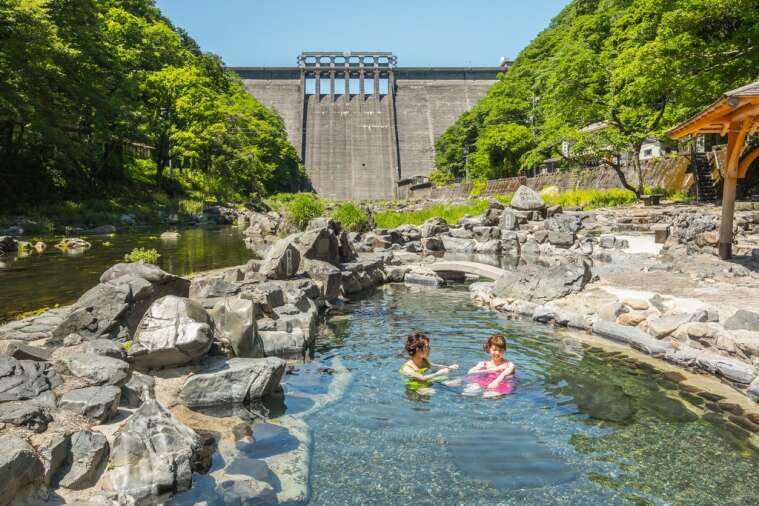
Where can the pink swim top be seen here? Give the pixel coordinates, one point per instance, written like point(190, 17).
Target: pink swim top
point(484, 378)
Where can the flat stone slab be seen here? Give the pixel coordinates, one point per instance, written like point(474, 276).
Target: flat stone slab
point(96, 403)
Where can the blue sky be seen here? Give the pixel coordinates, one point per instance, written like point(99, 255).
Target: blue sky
point(419, 32)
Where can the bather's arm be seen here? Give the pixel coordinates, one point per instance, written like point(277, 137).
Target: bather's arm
point(409, 372)
point(508, 370)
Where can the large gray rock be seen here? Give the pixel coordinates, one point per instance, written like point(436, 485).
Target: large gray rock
point(235, 326)
point(509, 220)
point(561, 239)
point(434, 226)
point(153, 454)
point(52, 450)
point(22, 351)
point(419, 275)
point(282, 260)
point(327, 277)
point(85, 461)
point(137, 390)
point(25, 379)
point(567, 223)
point(114, 308)
point(19, 467)
point(526, 199)
point(320, 244)
point(174, 331)
point(743, 320)
point(454, 244)
point(662, 326)
point(734, 370)
point(542, 284)
point(632, 336)
point(94, 369)
point(104, 347)
point(234, 381)
point(483, 234)
point(25, 414)
point(95, 403)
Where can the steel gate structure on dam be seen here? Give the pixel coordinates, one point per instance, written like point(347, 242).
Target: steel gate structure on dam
point(360, 123)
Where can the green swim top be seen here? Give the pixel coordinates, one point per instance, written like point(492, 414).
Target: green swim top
point(416, 384)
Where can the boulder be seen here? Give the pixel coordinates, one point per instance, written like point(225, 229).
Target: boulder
point(419, 275)
point(25, 414)
point(237, 380)
point(636, 304)
point(213, 287)
point(22, 351)
point(526, 199)
point(137, 390)
point(540, 284)
point(320, 244)
point(632, 336)
point(632, 319)
point(460, 233)
point(25, 379)
point(483, 234)
point(734, 370)
point(743, 320)
point(105, 348)
point(434, 243)
point(114, 308)
point(327, 277)
point(153, 455)
point(282, 261)
point(174, 331)
point(267, 295)
point(662, 326)
point(509, 220)
point(85, 461)
point(235, 326)
point(453, 244)
point(567, 223)
point(510, 244)
point(345, 247)
point(52, 450)
point(491, 217)
point(561, 239)
point(95, 403)
point(19, 467)
point(434, 226)
point(94, 369)
point(491, 247)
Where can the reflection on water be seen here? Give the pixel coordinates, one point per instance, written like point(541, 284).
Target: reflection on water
point(34, 281)
point(585, 426)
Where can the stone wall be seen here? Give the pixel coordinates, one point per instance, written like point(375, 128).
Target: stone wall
point(669, 173)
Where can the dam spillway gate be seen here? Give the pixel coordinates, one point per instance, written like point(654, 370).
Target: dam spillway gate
point(360, 123)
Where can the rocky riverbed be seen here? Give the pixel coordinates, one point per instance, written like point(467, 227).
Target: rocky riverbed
point(124, 396)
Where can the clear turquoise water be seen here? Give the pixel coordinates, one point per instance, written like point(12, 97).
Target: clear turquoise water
point(583, 427)
point(34, 281)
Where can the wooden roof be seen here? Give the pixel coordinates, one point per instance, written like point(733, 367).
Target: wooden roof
point(734, 107)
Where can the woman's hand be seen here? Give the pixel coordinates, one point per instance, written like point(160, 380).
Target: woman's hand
point(453, 367)
point(494, 384)
point(443, 371)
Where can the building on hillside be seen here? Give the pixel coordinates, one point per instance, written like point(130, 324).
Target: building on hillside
point(651, 147)
point(505, 63)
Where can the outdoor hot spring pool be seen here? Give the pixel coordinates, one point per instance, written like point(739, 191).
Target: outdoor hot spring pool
point(584, 426)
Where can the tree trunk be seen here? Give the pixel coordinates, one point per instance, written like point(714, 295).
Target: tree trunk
point(637, 168)
point(161, 150)
point(617, 166)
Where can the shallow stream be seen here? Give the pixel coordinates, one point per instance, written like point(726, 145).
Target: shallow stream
point(34, 281)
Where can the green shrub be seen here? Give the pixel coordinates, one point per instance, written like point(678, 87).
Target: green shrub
point(149, 256)
point(478, 186)
point(352, 217)
point(450, 213)
point(441, 178)
point(303, 208)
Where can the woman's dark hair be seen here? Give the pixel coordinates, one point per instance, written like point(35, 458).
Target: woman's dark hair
point(496, 340)
point(416, 341)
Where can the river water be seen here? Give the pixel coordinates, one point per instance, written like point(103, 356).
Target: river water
point(584, 425)
point(31, 282)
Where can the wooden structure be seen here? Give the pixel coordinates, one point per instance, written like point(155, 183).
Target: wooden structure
point(736, 115)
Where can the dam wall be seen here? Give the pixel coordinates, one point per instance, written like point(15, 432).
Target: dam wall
point(360, 124)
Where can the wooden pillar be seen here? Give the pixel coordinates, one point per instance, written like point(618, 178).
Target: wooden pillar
point(735, 138)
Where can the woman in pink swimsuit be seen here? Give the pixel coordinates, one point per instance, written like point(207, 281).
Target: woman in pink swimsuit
point(495, 376)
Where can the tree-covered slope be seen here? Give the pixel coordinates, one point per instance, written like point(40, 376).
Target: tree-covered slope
point(87, 87)
point(642, 66)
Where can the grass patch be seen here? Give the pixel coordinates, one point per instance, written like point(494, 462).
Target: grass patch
point(351, 216)
point(303, 208)
point(450, 213)
point(149, 256)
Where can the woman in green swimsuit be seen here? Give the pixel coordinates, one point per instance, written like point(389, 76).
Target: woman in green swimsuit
point(416, 369)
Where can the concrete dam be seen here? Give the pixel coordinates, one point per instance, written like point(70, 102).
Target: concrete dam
point(361, 124)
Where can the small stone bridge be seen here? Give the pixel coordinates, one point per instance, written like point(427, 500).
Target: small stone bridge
point(475, 268)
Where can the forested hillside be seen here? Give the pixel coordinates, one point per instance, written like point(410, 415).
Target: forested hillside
point(102, 96)
point(642, 66)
